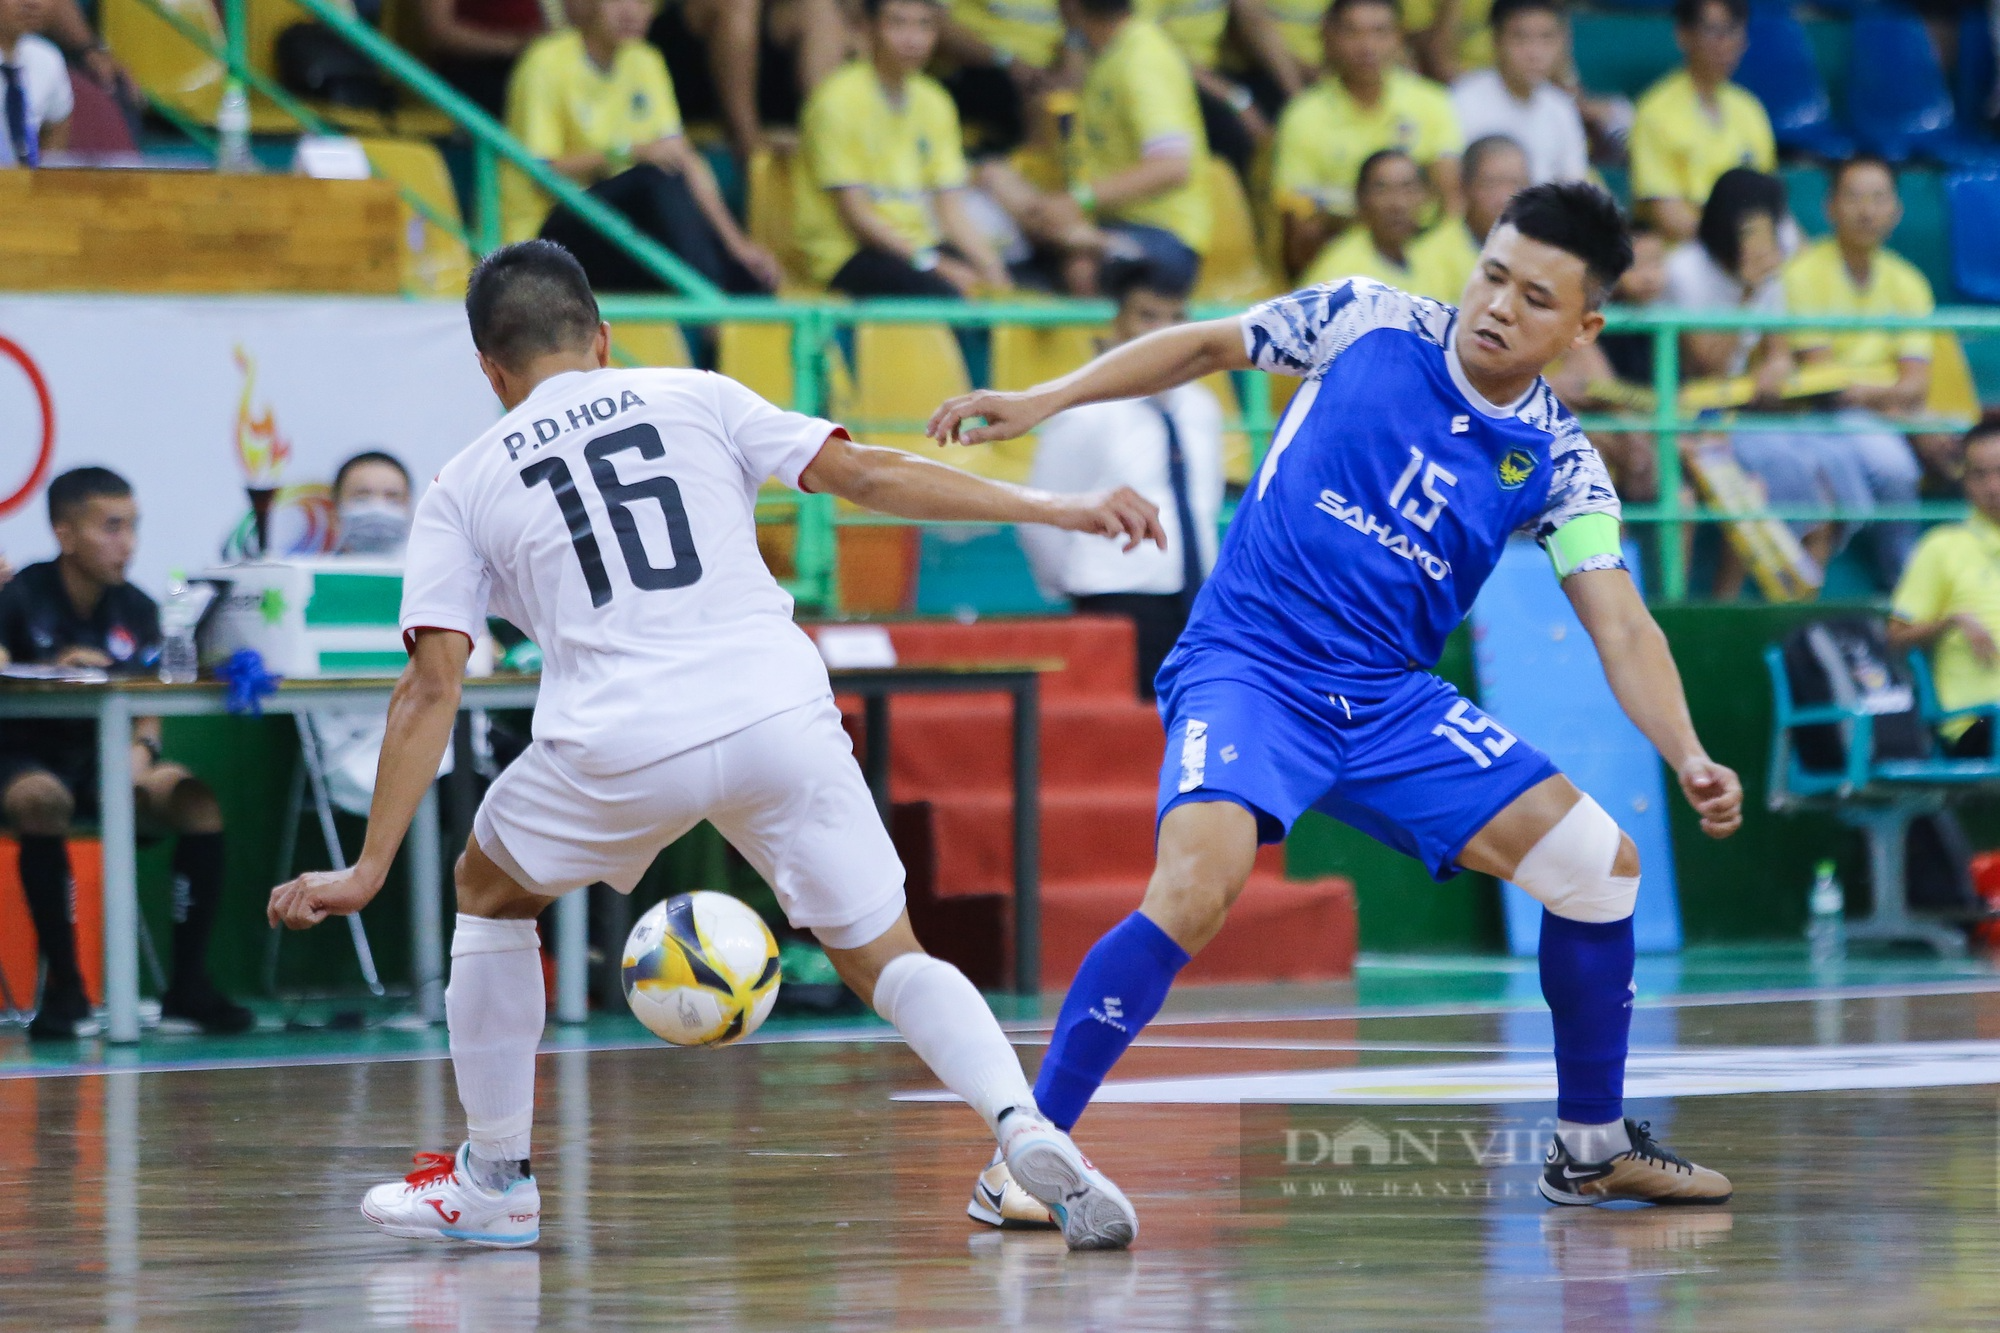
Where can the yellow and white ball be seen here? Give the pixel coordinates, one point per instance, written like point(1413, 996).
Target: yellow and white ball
point(701, 969)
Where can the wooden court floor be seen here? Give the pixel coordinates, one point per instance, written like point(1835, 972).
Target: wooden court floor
point(783, 1185)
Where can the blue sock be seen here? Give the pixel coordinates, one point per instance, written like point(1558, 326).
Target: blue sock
point(1587, 980)
point(1121, 985)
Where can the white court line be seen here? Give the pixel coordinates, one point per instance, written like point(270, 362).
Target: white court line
point(1688, 1072)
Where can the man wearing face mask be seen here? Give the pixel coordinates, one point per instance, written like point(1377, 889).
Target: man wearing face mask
point(371, 505)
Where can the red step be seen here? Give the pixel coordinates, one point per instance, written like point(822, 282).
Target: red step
point(1279, 930)
point(965, 742)
point(1097, 652)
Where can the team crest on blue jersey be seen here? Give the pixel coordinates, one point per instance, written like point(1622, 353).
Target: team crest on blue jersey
point(1515, 468)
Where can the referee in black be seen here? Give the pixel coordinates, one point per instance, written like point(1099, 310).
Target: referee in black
point(78, 610)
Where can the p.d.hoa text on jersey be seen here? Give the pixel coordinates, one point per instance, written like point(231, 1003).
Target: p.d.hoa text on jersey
point(581, 417)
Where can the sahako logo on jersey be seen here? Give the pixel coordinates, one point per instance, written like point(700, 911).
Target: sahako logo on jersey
point(1516, 466)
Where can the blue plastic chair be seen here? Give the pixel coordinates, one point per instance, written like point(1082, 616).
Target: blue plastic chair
point(1898, 100)
point(1975, 222)
point(1780, 69)
point(1972, 82)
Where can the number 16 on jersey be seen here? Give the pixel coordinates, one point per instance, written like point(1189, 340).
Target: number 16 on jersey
point(619, 498)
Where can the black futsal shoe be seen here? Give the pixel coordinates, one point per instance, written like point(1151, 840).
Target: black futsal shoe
point(1644, 1173)
point(65, 1015)
point(204, 1009)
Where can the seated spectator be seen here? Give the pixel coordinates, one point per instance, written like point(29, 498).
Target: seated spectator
point(371, 505)
point(1364, 104)
point(1695, 124)
point(1137, 160)
point(596, 102)
point(1002, 55)
point(1519, 98)
point(1495, 171)
point(1734, 265)
point(1230, 115)
point(1169, 449)
point(1389, 202)
point(881, 201)
point(34, 114)
point(1945, 600)
point(70, 30)
point(1853, 273)
point(78, 610)
point(751, 63)
point(473, 44)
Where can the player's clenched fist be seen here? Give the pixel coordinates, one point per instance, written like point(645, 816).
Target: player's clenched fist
point(1716, 795)
point(1007, 416)
point(1121, 513)
point(317, 895)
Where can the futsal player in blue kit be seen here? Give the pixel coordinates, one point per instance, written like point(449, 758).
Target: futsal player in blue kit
point(1422, 438)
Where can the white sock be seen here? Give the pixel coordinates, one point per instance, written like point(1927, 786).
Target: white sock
point(950, 1028)
point(494, 1009)
point(1593, 1143)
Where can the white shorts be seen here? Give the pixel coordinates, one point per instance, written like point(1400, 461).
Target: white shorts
point(786, 792)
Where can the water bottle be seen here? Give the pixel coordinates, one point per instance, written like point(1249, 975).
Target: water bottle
point(232, 131)
point(180, 616)
point(1826, 907)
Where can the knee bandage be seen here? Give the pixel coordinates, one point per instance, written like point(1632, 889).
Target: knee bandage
point(1569, 870)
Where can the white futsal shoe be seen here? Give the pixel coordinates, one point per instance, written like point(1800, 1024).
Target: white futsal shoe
point(1094, 1213)
point(438, 1201)
point(999, 1201)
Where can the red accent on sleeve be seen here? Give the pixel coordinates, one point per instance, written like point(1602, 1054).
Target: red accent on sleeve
point(410, 636)
point(837, 433)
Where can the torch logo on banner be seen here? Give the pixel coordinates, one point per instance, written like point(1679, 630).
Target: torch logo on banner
point(261, 449)
point(39, 445)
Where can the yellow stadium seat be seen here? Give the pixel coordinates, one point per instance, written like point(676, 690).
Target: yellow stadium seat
point(649, 344)
point(769, 212)
point(435, 262)
point(170, 69)
point(1953, 393)
point(901, 373)
point(758, 356)
point(1024, 356)
point(1235, 441)
point(1232, 271)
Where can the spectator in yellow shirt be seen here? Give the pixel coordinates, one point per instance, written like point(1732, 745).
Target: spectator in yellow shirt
point(1137, 160)
point(1695, 124)
point(1853, 273)
point(1389, 201)
point(1948, 600)
point(1496, 169)
point(884, 177)
point(595, 102)
point(1365, 104)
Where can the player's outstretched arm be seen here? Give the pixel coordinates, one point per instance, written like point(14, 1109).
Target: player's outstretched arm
point(890, 481)
point(1643, 676)
point(421, 713)
point(1137, 369)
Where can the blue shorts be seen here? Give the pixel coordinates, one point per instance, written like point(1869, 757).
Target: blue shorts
point(1412, 763)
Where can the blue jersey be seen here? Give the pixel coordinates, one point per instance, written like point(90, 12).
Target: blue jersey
point(1389, 491)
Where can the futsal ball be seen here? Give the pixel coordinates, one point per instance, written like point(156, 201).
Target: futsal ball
point(701, 969)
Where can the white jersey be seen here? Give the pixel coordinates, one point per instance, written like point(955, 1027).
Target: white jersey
point(612, 518)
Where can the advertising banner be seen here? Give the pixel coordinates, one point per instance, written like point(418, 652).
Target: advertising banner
point(205, 404)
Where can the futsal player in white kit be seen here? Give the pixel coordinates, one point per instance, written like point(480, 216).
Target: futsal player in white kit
point(610, 514)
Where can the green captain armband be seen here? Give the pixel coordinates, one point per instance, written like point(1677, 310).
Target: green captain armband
point(1588, 541)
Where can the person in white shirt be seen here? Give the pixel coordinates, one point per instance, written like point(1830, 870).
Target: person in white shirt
point(1168, 449)
point(35, 96)
point(1518, 97)
point(611, 515)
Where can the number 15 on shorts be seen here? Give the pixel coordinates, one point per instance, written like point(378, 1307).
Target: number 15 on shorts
point(1461, 729)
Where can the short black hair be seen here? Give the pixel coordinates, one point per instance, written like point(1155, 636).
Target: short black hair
point(79, 486)
point(529, 299)
point(1504, 10)
point(874, 7)
point(363, 458)
point(1104, 9)
point(1687, 13)
point(1121, 277)
point(1738, 194)
point(1370, 163)
point(1339, 7)
point(1985, 429)
point(1577, 218)
point(1838, 171)
point(1483, 147)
